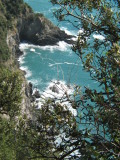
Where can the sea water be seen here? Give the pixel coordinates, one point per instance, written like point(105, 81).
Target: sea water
point(46, 65)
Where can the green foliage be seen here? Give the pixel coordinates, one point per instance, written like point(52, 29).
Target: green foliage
point(95, 132)
point(28, 139)
point(10, 91)
point(13, 8)
point(40, 137)
point(12, 141)
point(7, 151)
point(9, 10)
point(4, 51)
point(99, 119)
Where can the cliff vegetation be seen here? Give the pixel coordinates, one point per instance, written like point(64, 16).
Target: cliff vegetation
point(54, 133)
point(24, 135)
point(11, 80)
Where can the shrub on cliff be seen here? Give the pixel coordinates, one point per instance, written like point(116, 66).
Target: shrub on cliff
point(13, 8)
point(4, 51)
point(10, 92)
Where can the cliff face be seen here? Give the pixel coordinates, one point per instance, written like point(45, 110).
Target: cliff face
point(22, 24)
point(38, 30)
point(35, 29)
point(13, 42)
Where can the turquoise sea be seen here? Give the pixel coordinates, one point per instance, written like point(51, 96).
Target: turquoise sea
point(45, 64)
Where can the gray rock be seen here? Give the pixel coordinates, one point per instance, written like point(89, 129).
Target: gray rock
point(30, 88)
point(37, 94)
point(32, 98)
point(38, 30)
point(54, 89)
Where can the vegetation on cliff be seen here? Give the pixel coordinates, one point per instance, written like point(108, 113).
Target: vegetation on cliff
point(11, 81)
point(4, 51)
point(9, 11)
point(56, 133)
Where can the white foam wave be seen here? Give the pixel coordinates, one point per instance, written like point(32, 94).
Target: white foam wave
point(32, 50)
point(80, 31)
point(60, 92)
point(51, 65)
point(71, 63)
point(27, 71)
point(61, 86)
point(68, 31)
point(73, 33)
point(98, 36)
point(21, 59)
point(74, 38)
point(68, 63)
point(61, 45)
point(23, 46)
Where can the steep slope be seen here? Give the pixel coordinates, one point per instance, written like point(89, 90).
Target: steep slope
point(36, 29)
point(10, 75)
point(18, 23)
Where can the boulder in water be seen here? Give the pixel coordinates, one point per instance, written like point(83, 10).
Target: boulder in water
point(54, 89)
point(37, 94)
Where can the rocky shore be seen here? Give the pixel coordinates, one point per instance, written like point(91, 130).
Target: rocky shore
point(34, 29)
point(38, 30)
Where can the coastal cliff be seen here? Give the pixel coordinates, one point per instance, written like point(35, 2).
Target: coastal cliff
point(32, 28)
point(36, 29)
point(20, 121)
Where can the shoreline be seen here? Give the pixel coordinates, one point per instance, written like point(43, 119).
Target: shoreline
point(14, 40)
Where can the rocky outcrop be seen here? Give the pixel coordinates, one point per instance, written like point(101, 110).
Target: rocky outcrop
point(13, 42)
point(54, 89)
point(35, 29)
point(36, 94)
point(38, 30)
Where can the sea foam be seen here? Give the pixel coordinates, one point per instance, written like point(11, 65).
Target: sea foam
point(28, 73)
point(32, 50)
point(98, 36)
point(61, 46)
point(62, 94)
point(64, 90)
point(72, 32)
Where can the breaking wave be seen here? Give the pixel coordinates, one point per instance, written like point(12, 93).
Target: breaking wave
point(61, 46)
point(60, 92)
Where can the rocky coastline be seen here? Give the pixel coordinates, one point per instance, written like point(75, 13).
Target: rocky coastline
point(38, 30)
point(34, 29)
